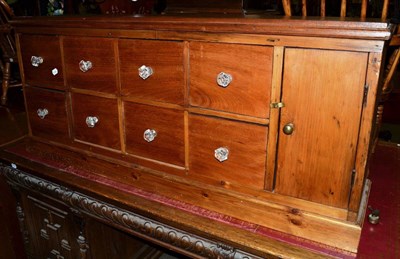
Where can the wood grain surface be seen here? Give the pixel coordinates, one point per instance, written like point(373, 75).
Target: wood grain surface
point(251, 71)
point(102, 77)
point(106, 131)
point(55, 125)
point(166, 58)
point(324, 102)
point(48, 48)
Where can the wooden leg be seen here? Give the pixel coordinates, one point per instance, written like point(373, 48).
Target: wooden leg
point(378, 124)
point(387, 88)
point(6, 82)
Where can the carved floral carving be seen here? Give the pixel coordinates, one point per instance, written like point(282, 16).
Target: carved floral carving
point(134, 222)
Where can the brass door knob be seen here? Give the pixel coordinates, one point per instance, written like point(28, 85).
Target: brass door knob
point(288, 129)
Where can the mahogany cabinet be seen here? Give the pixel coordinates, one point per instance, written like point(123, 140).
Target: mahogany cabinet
point(253, 132)
point(51, 229)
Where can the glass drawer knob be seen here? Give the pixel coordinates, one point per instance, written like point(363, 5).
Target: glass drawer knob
point(149, 135)
point(145, 72)
point(42, 113)
point(91, 121)
point(224, 79)
point(221, 154)
point(54, 71)
point(85, 66)
point(36, 61)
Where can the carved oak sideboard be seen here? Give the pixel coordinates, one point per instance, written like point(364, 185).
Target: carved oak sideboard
point(228, 137)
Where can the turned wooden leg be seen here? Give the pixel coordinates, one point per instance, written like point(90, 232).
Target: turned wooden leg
point(378, 124)
point(6, 82)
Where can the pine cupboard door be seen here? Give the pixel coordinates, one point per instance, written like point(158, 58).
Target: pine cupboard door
point(323, 93)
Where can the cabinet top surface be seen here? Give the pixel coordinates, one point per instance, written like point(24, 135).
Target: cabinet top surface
point(245, 24)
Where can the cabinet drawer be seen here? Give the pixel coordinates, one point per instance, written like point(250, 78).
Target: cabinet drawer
point(90, 63)
point(47, 114)
point(166, 83)
point(250, 68)
point(96, 120)
point(143, 122)
point(246, 144)
point(41, 60)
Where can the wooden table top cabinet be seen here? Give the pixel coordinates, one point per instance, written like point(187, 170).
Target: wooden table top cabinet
point(250, 132)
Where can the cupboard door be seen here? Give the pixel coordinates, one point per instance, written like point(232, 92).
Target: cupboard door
point(52, 229)
point(323, 94)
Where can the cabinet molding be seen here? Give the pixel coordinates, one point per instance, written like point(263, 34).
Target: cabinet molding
point(139, 225)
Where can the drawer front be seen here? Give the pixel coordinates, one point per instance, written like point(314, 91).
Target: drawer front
point(47, 114)
point(96, 120)
point(41, 59)
point(155, 133)
point(246, 92)
point(90, 63)
point(209, 138)
point(152, 70)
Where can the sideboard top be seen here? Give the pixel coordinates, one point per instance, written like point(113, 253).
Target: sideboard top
point(350, 28)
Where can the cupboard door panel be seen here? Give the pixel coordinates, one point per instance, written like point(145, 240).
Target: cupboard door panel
point(52, 230)
point(323, 93)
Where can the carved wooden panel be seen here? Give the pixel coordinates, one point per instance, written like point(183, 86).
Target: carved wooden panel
point(163, 234)
point(51, 229)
